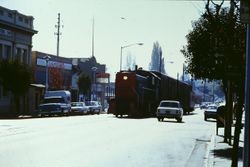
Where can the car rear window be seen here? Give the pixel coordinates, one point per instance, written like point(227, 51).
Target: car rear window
point(169, 104)
point(212, 107)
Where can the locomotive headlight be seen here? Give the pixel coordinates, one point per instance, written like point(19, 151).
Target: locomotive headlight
point(125, 77)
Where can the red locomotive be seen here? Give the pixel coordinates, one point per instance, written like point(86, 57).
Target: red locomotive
point(138, 93)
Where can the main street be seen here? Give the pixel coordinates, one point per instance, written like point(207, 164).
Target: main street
point(104, 140)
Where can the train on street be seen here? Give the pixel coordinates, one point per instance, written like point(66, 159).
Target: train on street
point(139, 92)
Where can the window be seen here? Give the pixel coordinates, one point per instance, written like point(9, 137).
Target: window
point(26, 21)
point(1, 51)
point(18, 53)
point(20, 18)
point(25, 56)
point(3, 92)
point(7, 52)
point(10, 15)
point(1, 12)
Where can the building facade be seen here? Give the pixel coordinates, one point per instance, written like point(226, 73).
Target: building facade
point(100, 84)
point(59, 70)
point(16, 31)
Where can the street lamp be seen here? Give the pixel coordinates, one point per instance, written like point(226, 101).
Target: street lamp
point(126, 46)
point(47, 58)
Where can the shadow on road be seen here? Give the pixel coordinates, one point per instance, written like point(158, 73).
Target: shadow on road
point(210, 120)
point(227, 153)
point(172, 121)
point(190, 114)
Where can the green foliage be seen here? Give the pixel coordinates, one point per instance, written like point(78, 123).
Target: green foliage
point(216, 46)
point(84, 83)
point(15, 76)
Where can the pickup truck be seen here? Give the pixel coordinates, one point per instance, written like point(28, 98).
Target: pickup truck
point(54, 105)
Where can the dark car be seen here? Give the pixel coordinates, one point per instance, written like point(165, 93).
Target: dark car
point(210, 112)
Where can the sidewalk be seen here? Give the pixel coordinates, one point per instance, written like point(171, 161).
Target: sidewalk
point(220, 152)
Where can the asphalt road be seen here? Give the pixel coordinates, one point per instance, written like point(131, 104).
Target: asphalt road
point(105, 141)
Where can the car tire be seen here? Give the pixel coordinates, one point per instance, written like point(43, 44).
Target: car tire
point(179, 119)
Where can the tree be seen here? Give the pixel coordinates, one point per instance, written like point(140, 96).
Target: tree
point(157, 61)
point(215, 50)
point(216, 45)
point(16, 78)
point(130, 62)
point(84, 83)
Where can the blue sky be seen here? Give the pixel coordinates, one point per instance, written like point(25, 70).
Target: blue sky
point(146, 21)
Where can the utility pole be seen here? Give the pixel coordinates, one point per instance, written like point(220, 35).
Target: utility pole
point(93, 37)
point(245, 18)
point(246, 162)
point(58, 33)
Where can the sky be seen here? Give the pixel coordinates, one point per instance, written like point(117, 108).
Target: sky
point(117, 23)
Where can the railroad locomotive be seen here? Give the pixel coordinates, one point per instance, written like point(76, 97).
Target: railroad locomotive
point(138, 93)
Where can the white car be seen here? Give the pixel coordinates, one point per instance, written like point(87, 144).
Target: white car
point(79, 108)
point(95, 107)
point(210, 112)
point(169, 109)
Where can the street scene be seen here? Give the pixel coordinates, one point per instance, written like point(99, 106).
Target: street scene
point(104, 140)
point(124, 83)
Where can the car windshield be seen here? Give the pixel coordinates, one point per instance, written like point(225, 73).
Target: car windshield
point(212, 107)
point(169, 104)
point(77, 104)
point(54, 100)
point(91, 103)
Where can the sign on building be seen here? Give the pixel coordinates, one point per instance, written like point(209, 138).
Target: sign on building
point(245, 11)
point(102, 77)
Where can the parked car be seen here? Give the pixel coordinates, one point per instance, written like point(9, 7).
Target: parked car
point(95, 107)
point(210, 112)
point(54, 105)
point(169, 109)
point(79, 108)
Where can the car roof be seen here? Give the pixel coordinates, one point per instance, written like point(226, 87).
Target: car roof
point(172, 101)
point(53, 97)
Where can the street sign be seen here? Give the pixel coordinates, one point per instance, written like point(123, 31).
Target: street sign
point(245, 11)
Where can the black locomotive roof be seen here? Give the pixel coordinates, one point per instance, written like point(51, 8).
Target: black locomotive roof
point(147, 73)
